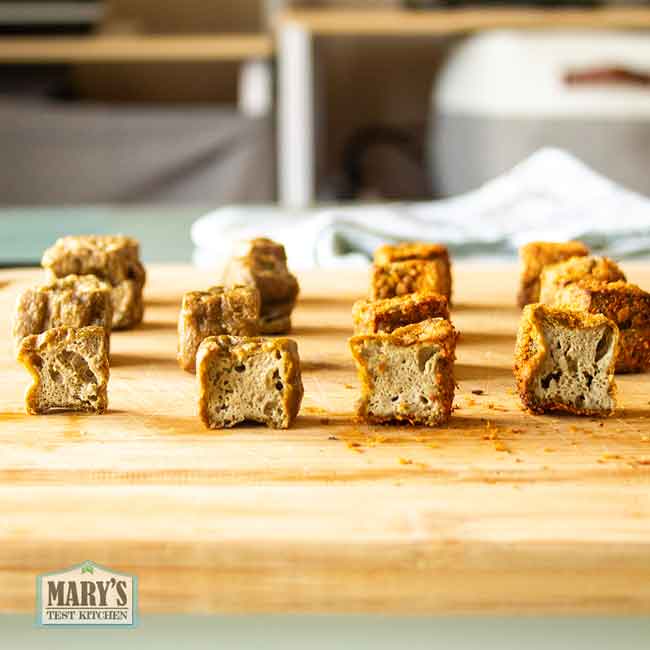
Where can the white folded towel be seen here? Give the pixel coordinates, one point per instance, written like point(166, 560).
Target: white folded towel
point(551, 196)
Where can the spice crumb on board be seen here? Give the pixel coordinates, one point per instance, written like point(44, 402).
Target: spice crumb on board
point(478, 391)
point(405, 461)
point(354, 446)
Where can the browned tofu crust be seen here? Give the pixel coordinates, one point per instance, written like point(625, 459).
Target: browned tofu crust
point(112, 258)
point(218, 310)
point(410, 267)
point(535, 256)
point(373, 316)
point(262, 263)
point(237, 351)
point(436, 331)
point(69, 370)
point(625, 304)
point(557, 276)
point(402, 278)
point(531, 350)
point(387, 253)
point(72, 301)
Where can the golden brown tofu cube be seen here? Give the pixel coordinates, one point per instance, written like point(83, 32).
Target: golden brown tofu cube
point(625, 304)
point(218, 310)
point(407, 375)
point(71, 301)
point(557, 276)
point(262, 263)
point(69, 369)
point(112, 258)
point(410, 267)
point(565, 361)
point(248, 379)
point(535, 256)
point(373, 316)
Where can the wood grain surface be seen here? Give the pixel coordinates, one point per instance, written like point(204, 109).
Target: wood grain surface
point(373, 21)
point(500, 512)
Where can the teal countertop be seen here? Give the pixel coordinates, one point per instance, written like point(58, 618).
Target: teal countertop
point(164, 232)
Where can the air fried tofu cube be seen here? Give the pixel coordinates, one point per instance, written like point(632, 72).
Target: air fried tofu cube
point(248, 379)
point(409, 268)
point(373, 316)
point(535, 256)
point(69, 368)
point(407, 375)
point(213, 312)
point(71, 301)
point(112, 258)
point(565, 360)
point(262, 263)
point(595, 269)
point(625, 304)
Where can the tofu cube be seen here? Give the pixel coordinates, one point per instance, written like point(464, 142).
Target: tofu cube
point(535, 256)
point(218, 310)
point(69, 369)
point(112, 258)
point(556, 277)
point(373, 316)
point(248, 379)
point(71, 301)
point(409, 268)
point(565, 360)
point(262, 263)
point(623, 303)
point(407, 375)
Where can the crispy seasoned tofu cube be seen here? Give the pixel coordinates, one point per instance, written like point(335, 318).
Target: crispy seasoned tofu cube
point(71, 301)
point(565, 360)
point(218, 310)
point(248, 379)
point(407, 375)
point(409, 268)
point(373, 316)
point(262, 263)
point(535, 256)
point(112, 258)
point(625, 304)
point(69, 368)
point(556, 277)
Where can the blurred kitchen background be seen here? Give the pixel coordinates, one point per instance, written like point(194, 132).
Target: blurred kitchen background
point(120, 114)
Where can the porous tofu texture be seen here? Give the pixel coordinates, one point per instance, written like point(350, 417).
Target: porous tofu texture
point(372, 316)
point(72, 301)
point(537, 255)
point(218, 310)
point(248, 379)
point(625, 304)
point(565, 360)
point(69, 369)
point(407, 375)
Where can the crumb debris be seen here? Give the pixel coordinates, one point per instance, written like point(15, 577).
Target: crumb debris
point(405, 461)
point(478, 391)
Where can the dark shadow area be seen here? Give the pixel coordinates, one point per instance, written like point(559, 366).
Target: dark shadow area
point(632, 413)
point(465, 372)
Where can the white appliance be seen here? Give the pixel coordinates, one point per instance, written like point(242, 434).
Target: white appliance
point(502, 95)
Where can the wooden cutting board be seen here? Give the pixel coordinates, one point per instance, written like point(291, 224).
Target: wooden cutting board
point(499, 512)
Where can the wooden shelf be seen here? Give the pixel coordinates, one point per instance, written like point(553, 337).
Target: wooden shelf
point(134, 49)
point(398, 22)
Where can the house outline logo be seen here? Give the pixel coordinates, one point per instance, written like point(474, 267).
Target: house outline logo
point(86, 595)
